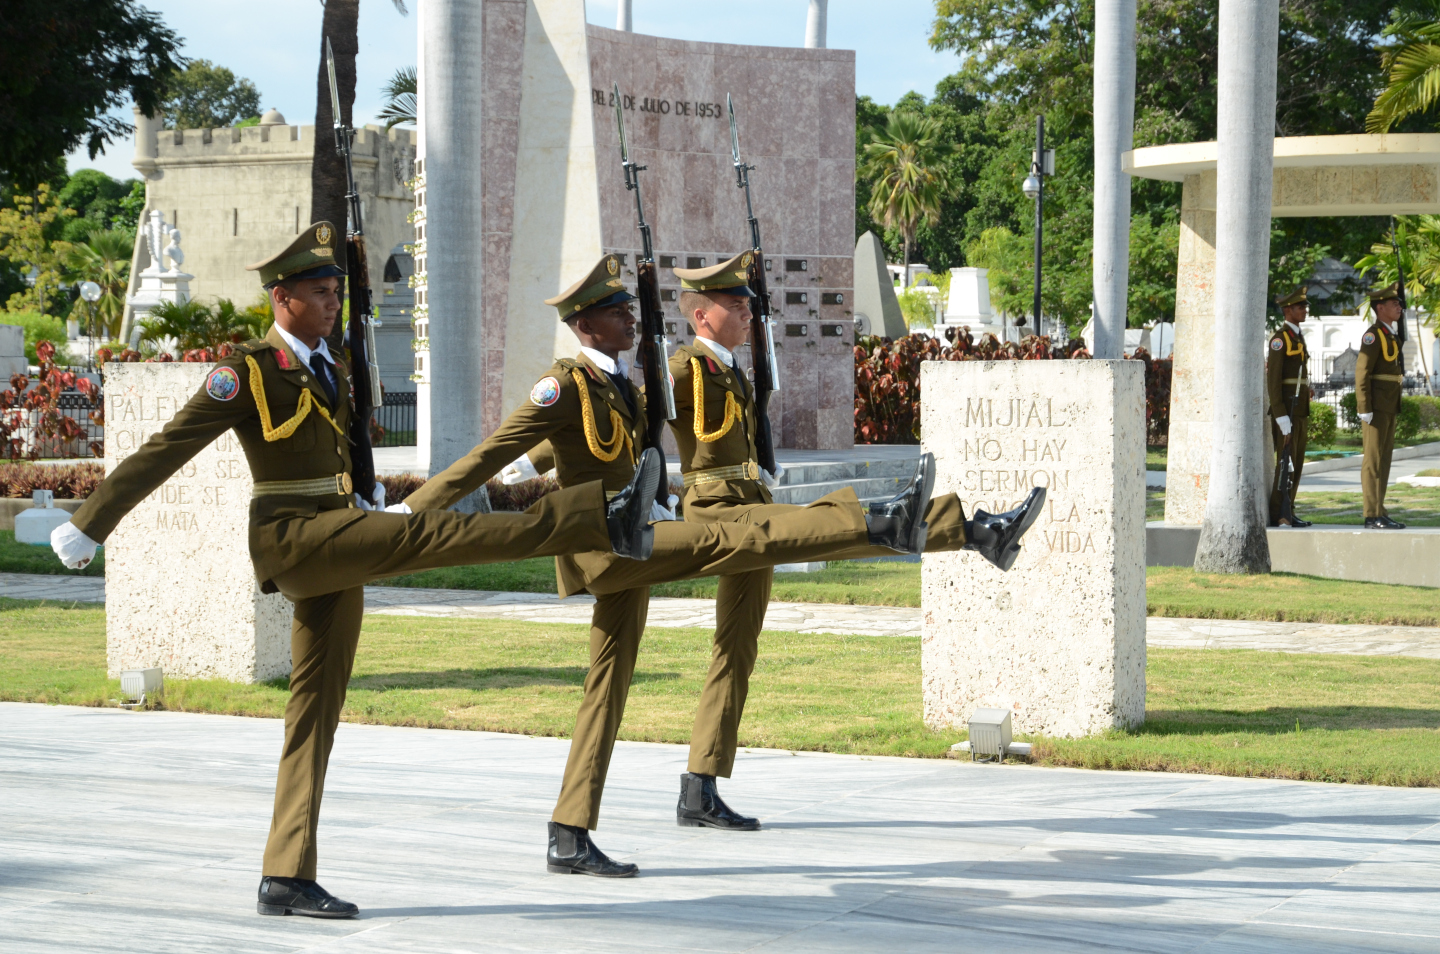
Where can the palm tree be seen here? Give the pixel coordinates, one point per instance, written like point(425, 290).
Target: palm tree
point(104, 258)
point(186, 323)
point(1412, 67)
point(401, 104)
point(907, 163)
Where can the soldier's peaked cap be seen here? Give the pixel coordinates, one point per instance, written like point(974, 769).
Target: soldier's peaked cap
point(313, 254)
point(728, 277)
point(603, 286)
point(1299, 296)
point(1390, 291)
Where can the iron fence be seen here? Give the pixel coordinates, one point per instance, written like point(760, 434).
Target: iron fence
point(33, 442)
point(397, 416)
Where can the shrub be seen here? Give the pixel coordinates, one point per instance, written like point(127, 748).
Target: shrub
point(1320, 432)
point(1407, 422)
point(68, 482)
point(1429, 412)
point(1349, 414)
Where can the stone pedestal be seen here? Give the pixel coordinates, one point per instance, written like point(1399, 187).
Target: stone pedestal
point(180, 592)
point(1059, 640)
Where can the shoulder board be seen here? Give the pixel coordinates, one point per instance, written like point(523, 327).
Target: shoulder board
point(566, 364)
point(253, 346)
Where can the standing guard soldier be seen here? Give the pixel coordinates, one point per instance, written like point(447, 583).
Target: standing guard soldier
point(587, 420)
point(1286, 366)
point(1379, 379)
point(317, 542)
point(715, 429)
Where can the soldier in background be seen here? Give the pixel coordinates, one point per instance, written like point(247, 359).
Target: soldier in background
point(1286, 389)
point(1379, 379)
point(715, 430)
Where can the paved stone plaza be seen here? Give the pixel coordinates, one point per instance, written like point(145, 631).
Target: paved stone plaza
point(143, 831)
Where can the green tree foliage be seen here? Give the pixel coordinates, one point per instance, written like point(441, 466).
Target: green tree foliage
point(103, 258)
point(97, 201)
point(204, 95)
point(64, 67)
point(24, 244)
point(1411, 62)
point(401, 94)
point(1413, 245)
point(1023, 58)
point(195, 325)
point(906, 163)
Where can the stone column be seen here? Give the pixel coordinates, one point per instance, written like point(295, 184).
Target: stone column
point(815, 25)
point(1232, 537)
point(456, 266)
point(1059, 640)
point(1114, 87)
point(180, 591)
point(1192, 390)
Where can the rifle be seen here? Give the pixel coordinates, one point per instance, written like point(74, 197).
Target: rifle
point(762, 324)
point(653, 354)
point(360, 330)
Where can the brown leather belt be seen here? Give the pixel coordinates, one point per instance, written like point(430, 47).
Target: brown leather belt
point(1397, 378)
point(319, 487)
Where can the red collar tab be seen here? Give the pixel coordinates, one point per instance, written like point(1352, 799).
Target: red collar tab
point(282, 359)
point(710, 363)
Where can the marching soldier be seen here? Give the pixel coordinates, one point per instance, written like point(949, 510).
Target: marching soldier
point(715, 429)
point(317, 542)
point(1379, 378)
point(586, 419)
point(1286, 365)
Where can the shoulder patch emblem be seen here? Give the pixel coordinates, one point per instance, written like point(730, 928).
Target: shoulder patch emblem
point(545, 392)
point(1276, 344)
point(1369, 338)
point(222, 384)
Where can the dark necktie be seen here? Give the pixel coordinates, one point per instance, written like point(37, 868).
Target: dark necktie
point(322, 374)
point(622, 383)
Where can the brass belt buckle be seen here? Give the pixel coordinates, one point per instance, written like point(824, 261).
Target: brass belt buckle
point(752, 470)
point(346, 486)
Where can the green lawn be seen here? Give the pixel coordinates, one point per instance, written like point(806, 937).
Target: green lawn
point(1326, 718)
point(1415, 506)
point(31, 558)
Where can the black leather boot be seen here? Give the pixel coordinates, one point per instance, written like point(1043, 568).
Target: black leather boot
point(702, 807)
point(899, 523)
point(301, 896)
point(996, 537)
point(572, 852)
point(1297, 522)
point(1383, 523)
point(628, 513)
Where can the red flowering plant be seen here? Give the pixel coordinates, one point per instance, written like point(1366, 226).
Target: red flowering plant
point(31, 422)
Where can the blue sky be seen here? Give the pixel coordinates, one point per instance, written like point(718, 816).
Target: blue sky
point(892, 55)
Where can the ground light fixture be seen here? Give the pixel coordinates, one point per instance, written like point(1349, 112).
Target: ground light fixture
point(991, 738)
point(137, 684)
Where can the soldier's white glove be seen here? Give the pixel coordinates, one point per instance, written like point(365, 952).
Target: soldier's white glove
point(399, 508)
point(518, 471)
point(657, 512)
point(772, 480)
point(1367, 418)
point(1283, 422)
point(73, 547)
point(376, 503)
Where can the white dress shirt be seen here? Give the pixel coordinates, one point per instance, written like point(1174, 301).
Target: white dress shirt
point(304, 351)
point(719, 350)
point(606, 363)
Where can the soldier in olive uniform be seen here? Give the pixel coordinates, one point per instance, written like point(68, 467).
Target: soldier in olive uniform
point(715, 429)
point(587, 420)
point(287, 397)
point(1379, 378)
point(1286, 366)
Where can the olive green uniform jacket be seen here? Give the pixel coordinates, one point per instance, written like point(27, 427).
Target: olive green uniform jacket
point(284, 530)
point(1379, 381)
point(732, 437)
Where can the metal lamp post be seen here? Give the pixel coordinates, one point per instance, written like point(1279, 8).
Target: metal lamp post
point(90, 291)
point(1042, 164)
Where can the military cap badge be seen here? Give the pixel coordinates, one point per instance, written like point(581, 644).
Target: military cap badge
point(323, 233)
point(612, 263)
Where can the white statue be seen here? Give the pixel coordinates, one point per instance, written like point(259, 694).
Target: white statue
point(173, 253)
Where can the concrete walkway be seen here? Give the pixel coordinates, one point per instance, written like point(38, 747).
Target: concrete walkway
point(1161, 632)
point(144, 831)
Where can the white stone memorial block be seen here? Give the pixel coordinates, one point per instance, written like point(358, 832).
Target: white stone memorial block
point(180, 591)
point(1059, 640)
